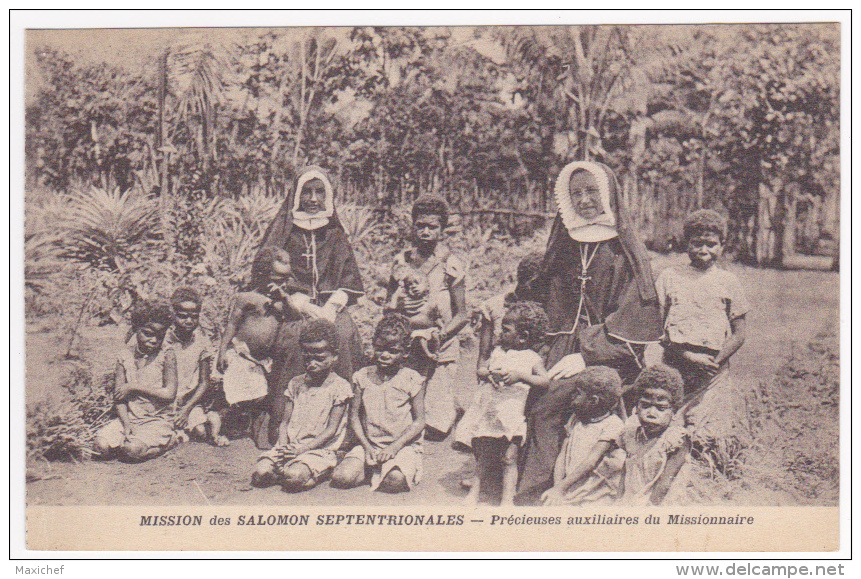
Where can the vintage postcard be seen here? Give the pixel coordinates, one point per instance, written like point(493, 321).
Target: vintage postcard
point(449, 288)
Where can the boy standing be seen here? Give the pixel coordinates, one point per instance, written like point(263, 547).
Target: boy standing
point(704, 309)
point(314, 426)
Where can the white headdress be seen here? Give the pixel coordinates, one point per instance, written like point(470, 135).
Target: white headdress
point(313, 221)
point(601, 227)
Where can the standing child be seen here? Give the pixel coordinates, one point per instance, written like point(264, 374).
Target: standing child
point(193, 350)
point(656, 448)
point(497, 421)
point(589, 467)
point(446, 279)
point(145, 384)
point(387, 415)
point(704, 309)
point(314, 426)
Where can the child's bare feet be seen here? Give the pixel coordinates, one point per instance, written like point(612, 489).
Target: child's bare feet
point(220, 440)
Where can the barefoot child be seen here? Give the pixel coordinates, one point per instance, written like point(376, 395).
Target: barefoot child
point(589, 467)
point(656, 447)
point(387, 416)
point(314, 426)
point(194, 353)
point(446, 278)
point(497, 419)
point(145, 384)
point(704, 309)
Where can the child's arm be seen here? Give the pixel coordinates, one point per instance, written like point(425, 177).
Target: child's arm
point(735, 341)
point(358, 427)
point(202, 386)
point(325, 437)
point(538, 378)
point(285, 420)
point(485, 342)
point(675, 461)
point(234, 321)
point(582, 470)
point(417, 409)
point(458, 313)
point(336, 302)
point(167, 391)
point(122, 409)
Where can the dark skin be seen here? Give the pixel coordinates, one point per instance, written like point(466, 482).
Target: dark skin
point(186, 318)
point(427, 233)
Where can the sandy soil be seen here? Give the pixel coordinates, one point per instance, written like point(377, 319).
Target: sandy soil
point(790, 307)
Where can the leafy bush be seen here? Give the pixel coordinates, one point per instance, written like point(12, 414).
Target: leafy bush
point(64, 429)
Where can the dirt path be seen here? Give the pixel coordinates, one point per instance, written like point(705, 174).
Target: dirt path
point(790, 307)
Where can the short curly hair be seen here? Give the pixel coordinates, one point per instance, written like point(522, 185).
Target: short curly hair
point(705, 221)
point(146, 312)
point(185, 294)
point(664, 378)
point(319, 330)
point(393, 326)
point(530, 317)
point(603, 382)
point(262, 264)
point(428, 204)
point(528, 267)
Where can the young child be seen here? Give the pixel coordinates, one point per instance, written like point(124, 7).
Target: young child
point(387, 416)
point(426, 313)
point(446, 280)
point(314, 426)
point(194, 353)
point(244, 354)
point(145, 385)
point(589, 466)
point(496, 419)
point(704, 309)
point(656, 447)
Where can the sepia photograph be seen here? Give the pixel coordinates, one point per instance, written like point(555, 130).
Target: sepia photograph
point(461, 277)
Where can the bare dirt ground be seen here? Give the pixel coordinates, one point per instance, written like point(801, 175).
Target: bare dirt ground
point(790, 308)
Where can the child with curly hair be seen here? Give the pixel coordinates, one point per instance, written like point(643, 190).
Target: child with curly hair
point(589, 467)
point(314, 424)
point(145, 385)
point(656, 447)
point(387, 416)
point(446, 275)
point(704, 309)
point(496, 420)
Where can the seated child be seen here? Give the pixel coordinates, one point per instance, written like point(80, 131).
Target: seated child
point(656, 448)
point(496, 420)
point(145, 384)
point(589, 466)
point(704, 309)
point(315, 417)
point(387, 416)
point(193, 350)
point(253, 322)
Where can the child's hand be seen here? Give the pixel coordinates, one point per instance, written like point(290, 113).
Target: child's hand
point(483, 373)
point(704, 361)
point(221, 363)
point(567, 367)
point(123, 391)
point(286, 451)
point(387, 453)
point(512, 377)
point(370, 457)
point(181, 420)
point(552, 496)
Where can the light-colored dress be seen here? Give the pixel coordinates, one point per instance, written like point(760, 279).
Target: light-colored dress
point(188, 359)
point(387, 415)
point(312, 407)
point(602, 485)
point(444, 270)
point(151, 419)
point(497, 410)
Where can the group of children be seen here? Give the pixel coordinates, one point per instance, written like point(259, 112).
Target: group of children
point(370, 429)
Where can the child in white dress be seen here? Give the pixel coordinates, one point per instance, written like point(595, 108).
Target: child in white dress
point(496, 419)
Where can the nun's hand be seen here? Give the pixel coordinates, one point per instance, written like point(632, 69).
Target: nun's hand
point(567, 367)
